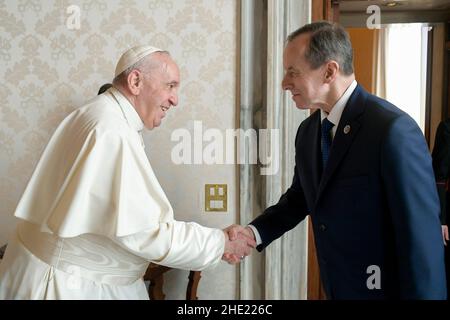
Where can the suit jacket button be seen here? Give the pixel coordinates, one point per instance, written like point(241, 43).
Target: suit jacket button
point(323, 227)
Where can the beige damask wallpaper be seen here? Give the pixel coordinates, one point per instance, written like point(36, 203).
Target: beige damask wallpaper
point(54, 55)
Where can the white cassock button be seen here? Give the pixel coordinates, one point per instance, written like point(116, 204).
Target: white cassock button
point(347, 129)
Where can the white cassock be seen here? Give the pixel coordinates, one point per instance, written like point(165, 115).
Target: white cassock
point(94, 214)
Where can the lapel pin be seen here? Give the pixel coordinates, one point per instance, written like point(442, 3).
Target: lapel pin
point(347, 129)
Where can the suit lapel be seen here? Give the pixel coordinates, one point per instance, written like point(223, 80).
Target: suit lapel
point(344, 136)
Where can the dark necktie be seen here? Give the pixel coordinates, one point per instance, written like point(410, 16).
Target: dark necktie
point(326, 140)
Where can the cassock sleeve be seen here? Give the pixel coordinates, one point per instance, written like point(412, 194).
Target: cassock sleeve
point(177, 244)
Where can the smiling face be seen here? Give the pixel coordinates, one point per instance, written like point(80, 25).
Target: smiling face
point(305, 84)
point(158, 91)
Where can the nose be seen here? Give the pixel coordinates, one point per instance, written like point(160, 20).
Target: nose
point(173, 99)
point(285, 84)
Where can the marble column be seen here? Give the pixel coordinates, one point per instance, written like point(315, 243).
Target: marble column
point(280, 272)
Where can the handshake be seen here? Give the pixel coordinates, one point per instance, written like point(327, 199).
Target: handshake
point(239, 242)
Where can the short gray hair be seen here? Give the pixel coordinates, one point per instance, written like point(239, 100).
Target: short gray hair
point(329, 41)
point(145, 65)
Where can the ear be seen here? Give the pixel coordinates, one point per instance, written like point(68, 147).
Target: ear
point(134, 82)
point(331, 71)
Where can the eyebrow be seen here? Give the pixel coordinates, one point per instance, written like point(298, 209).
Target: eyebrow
point(175, 83)
point(292, 69)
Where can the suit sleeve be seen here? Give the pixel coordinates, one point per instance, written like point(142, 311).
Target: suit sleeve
point(290, 210)
point(414, 210)
point(441, 165)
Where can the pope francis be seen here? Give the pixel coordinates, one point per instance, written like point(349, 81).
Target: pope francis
point(93, 214)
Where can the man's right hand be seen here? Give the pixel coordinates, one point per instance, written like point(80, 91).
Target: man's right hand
point(239, 243)
point(235, 229)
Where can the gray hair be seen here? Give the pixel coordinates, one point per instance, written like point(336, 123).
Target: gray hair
point(145, 65)
point(328, 41)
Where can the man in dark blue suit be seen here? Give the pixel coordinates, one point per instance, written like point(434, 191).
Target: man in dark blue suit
point(364, 175)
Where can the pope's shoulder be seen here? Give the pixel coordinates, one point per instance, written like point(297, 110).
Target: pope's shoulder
point(101, 114)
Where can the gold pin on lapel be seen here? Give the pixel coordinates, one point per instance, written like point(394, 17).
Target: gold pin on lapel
point(347, 129)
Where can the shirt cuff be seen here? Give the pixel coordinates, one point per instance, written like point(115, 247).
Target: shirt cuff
point(256, 233)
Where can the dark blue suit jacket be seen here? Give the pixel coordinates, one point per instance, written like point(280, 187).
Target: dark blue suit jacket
point(375, 204)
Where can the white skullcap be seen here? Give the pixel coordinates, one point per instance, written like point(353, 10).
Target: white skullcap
point(133, 55)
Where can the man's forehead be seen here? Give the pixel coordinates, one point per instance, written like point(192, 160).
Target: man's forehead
point(173, 72)
point(295, 50)
point(168, 64)
point(174, 67)
point(291, 57)
point(300, 43)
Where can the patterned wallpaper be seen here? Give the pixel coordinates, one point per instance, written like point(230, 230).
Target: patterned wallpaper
point(55, 54)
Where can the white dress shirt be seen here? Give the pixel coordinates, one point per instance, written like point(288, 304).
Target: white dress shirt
point(336, 112)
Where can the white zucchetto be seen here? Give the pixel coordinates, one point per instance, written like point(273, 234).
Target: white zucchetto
point(132, 56)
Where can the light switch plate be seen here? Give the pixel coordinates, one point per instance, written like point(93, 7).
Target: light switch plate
point(216, 197)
